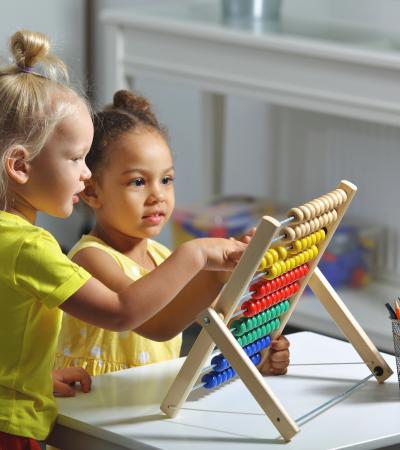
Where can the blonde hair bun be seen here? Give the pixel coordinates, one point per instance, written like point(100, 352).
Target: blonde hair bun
point(30, 48)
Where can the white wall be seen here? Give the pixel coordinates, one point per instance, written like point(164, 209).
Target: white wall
point(292, 155)
point(64, 22)
point(179, 106)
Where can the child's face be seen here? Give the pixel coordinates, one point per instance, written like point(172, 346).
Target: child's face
point(136, 191)
point(58, 173)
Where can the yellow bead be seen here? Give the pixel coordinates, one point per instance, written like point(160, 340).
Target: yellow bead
point(282, 252)
point(297, 246)
point(282, 265)
point(269, 259)
point(273, 271)
point(274, 254)
point(314, 238)
point(263, 265)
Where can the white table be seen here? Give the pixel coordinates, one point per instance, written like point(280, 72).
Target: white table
point(122, 411)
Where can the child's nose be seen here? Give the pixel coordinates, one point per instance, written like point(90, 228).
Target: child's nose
point(86, 174)
point(157, 193)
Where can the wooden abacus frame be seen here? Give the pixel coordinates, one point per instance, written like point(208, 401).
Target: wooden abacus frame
point(214, 320)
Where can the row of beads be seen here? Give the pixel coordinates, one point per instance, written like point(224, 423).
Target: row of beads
point(220, 363)
point(258, 333)
point(319, 206)
point(246, 324)
point(272, 256)
point(292, 262)
point(262, 288)
point(303, 229)
point(255, 306)
point(306, 242)
point(214, 379)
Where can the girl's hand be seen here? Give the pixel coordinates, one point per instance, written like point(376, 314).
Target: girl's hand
point(64, 381)
point(219, 253)
point(246, 238)
point(278, 358)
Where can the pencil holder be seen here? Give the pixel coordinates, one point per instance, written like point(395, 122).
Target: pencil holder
point(396, 343)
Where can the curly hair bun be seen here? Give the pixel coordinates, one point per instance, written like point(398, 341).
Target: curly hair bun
point(136, 106)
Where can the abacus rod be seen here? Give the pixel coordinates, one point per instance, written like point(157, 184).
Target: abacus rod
point(332, 401)
point(288, 220)
point(326, 364)
point(210, 367)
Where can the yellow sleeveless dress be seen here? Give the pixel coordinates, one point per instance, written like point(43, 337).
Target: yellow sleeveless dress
point(100, 351)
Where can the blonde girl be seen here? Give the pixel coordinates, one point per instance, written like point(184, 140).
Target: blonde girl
point(45, 134)
point(132, 195)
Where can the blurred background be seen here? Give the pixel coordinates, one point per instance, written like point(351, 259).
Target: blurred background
point(276, 146)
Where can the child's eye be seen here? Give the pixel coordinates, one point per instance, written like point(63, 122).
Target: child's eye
point(137, 182)
point(167, 180)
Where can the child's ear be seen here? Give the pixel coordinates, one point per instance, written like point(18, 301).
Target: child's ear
point(17, 164)
point(89, 195)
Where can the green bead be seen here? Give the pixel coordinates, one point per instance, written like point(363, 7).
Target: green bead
point(236, 326)
point(254, 334)
point(264, 317)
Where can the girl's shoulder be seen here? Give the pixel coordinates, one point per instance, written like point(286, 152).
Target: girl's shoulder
point(157, 249)
point(88, 241)
point(23, 235)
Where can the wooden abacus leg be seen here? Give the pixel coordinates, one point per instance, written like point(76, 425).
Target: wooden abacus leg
point(349, 326)
point(187, 376)
point(248, 373)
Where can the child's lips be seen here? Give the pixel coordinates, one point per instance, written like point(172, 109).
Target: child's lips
point(154, 219)
point(75, 198)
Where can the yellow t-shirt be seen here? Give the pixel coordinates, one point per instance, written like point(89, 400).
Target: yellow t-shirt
point(100, 351)
point(35, 278)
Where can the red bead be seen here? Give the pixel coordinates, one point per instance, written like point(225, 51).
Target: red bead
point(264, 303)
point(254, 287)
point(253, 310)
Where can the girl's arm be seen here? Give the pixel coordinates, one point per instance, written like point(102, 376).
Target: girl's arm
point(104, 304)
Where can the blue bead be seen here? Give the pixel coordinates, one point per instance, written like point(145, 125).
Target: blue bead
point(247, 349)
point(222, 365)
point(256, 359)
point(210, 380)
point(224, 375)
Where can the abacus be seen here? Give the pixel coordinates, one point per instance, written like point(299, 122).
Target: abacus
point(279, 262)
